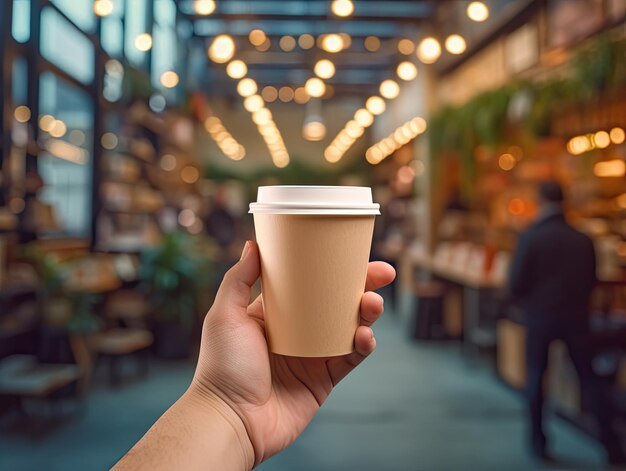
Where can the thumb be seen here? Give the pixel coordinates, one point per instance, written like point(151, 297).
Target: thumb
point(238, 281)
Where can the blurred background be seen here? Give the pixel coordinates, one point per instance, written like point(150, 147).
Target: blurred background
point(133, 135)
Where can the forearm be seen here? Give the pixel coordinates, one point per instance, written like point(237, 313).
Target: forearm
point(195, 433)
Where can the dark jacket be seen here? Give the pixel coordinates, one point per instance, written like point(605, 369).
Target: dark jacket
point(553, 274)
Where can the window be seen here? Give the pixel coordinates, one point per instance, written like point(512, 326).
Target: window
point(20, 26)
point(112, 33)
point(65, 166)
point(65, 46)
point(80, 12)
point(135, 25)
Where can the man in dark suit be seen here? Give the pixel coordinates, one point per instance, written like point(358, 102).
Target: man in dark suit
point(553, 274)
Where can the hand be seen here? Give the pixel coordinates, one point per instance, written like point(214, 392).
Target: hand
point(275, 396)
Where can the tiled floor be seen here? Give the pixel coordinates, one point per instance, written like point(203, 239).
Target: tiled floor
point(408, 407)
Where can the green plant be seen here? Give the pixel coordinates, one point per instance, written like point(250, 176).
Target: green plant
point(171, 274)
point(51, 272)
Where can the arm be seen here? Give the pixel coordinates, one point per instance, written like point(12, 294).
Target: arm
point(246, 404)
point(520, 274)
point(198, 432)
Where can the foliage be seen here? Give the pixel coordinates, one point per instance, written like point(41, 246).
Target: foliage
point(51, 273)
point(172, 274)
point(598, 68)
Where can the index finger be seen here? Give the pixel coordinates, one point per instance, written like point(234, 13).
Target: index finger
point(379, 274)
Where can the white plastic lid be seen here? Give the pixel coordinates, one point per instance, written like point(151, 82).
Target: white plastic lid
point(325, 200)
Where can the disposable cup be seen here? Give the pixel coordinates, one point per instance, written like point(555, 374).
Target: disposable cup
point(314, 244)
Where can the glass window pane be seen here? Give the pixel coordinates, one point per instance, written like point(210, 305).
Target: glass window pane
point(163, 52)
point(79, 11)
point(165, 12)
point(66, 47)
point(112, 36)
point(19, 81)
point(65, 164)
point(135, 25)
point(20, 27)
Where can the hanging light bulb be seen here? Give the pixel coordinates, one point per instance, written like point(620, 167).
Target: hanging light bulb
point(313, 128)
point(429, 50)
point(324, 69)
point(246, 87)
point(455, 44)
point(204, 7)
point(236, 69)
point(389, 89)
point(315, 87)
point(375, 105)
point(342, 7)
point(332, 43)
point(477, 11)
point(406, 70)
point(222, 49)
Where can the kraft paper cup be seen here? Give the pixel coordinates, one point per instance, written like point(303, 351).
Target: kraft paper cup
point(314, 244)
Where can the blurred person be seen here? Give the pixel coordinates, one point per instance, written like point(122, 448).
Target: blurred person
point(246, 404)
point(553, 274)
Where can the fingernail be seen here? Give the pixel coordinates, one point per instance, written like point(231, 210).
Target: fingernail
point(246, 249)
point(371, 334)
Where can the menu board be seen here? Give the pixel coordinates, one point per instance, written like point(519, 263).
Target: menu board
point(572, 20)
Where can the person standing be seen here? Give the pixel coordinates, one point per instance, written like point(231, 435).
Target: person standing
point(553, 274)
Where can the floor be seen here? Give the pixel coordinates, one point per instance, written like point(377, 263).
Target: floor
point(408, 407)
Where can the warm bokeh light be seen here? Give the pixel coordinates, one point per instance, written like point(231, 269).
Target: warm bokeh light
point(285, 94)
point(375, 105)
point(315, 87)
point(264, 46)
point(342, 7)
point(246, 87)
point(406, 70)
point(389, 89)
point(428, 50)
point(602, 139)
point(372, 43)
point(617, 135)
point(516, 206)
point(236, 69)
point(332, 43)
point(204, 7)
point(58, 128)
point(103, 7)
point(189, 174)
point(506, 162)
point(287, 43)
point(269, 93)
point(306, 41)
point(262, 117)
point(21, 114)
point(332, 154)
point(109, 141)
point(324, 69)
point(222, 49)
point(406, 46)
point(168, 162)
point(169, 79)
point(257, 37)
point(143, 42)
point(455, 44)
point(401, 136)
point(301, 96)
point(610, 168)
point(253, 103)
point(314, 131)
point(363, 117)
point(46, 122)
point(477, 11)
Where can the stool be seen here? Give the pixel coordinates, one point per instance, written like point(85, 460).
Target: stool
point(428, 314)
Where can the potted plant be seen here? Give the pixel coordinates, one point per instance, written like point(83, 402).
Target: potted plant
point(171, 274)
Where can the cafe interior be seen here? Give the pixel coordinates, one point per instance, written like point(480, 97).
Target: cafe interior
point(135, 133)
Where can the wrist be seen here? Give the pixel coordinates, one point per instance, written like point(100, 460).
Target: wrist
point(211, 407)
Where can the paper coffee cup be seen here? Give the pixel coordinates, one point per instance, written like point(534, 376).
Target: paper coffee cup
point(314, 244)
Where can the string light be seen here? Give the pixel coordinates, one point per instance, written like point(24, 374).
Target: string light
point(287, 43)
point(389, 89)
point(21, 114)
point(375, 105)
point(372, 43)
point(315, 87)
point(428, 50)
point(246, 87)
point(401, 136)
point(406, 46)
point(204, 7)
point(324, 69)
point(103, 7)
point(301, 96)
point(285, 94)
point(332, 43)
point(617, 135)
point(477, 11)
point(306, 41)
point(257, 37)
point(406, 70)
point(224, 140)
point(236, 69)
point(455, 44)
point(253, 103)
point(46, 122)
point(222, 49)
point(269, 93)
point(364, 117)
point(342, 7)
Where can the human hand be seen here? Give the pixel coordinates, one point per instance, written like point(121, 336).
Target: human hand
point(273, 397)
